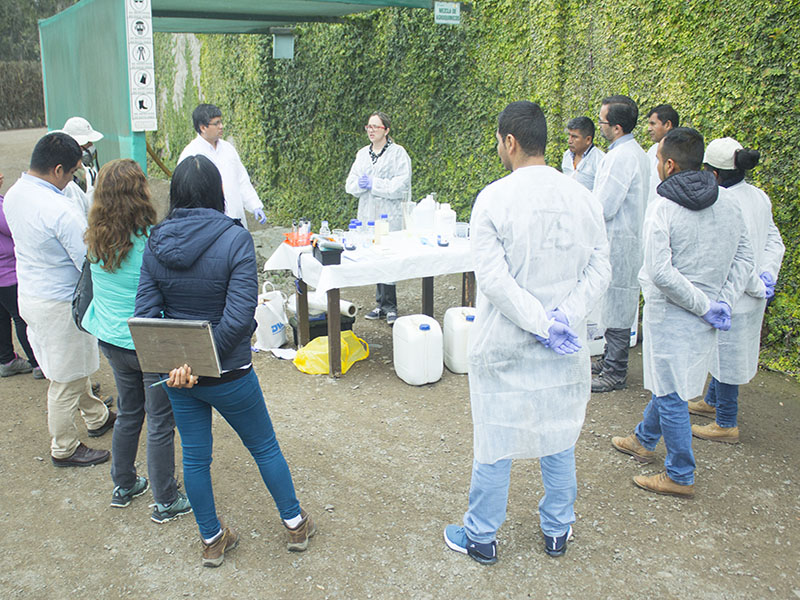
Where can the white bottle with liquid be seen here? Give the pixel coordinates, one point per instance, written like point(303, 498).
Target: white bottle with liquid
point(445, 222)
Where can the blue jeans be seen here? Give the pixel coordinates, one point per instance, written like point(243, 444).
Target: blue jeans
point(669, 416)
point(135, 399)
point(488, 496)
point(725, 398)
point(242, 405)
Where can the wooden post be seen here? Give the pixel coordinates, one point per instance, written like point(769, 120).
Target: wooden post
point(427, 296)
point(468, 289)
point(334, 334)
point(302, 313)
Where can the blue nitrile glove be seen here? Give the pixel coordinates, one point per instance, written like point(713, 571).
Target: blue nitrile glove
point(719, 316)
point(562, 340)
point(260, 216)
point(769, 282)
point(558, 316)
point(365, 182)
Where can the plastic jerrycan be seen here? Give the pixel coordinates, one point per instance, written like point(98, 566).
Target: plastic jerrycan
point(417, 349)
point(458, 322)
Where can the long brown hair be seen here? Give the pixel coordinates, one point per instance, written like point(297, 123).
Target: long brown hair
point(121, 208)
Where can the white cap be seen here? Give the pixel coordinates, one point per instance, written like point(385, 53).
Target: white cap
point(80, 129)
point(720, 153)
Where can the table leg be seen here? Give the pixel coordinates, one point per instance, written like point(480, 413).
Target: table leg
point(334, 334)
point(427, 296)
point(468, 289)
point(302, 313)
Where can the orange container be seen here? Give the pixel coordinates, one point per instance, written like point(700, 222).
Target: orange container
point(297, 239)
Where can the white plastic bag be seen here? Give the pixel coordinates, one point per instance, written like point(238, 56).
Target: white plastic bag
point(271, 318)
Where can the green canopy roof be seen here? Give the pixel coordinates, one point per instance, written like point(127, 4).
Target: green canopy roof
point(257, 16)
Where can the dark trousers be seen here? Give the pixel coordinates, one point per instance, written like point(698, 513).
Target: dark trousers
point(8, 312)
point(616, 351)
point(135, 399)
point(386, 297)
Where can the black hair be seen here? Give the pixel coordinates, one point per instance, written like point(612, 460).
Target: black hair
point(664, 113)
point(685, 147)
point(203, 114)
point(55, 149)
point(383, 117)
point(582, 124)
point(622, 111)
point(525, 121)
point(744, 159)
point(196, 183)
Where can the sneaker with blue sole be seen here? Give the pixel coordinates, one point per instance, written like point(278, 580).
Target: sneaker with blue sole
point(557, 545)
point(166, 512)
point(456, 539)
point(121, 497)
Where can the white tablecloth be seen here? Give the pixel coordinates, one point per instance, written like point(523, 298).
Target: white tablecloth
point(400, 256)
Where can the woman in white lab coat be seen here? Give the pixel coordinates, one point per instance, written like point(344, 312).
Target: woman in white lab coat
point(737, 349)
point(381, 180)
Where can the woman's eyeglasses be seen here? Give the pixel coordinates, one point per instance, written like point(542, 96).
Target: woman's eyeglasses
point(373, 127)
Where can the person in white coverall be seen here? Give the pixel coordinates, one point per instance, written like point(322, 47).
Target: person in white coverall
point(737, 349)
point(697, 262)
point(582, 157)
point(541, 262)
point(381, 180)
point(660, 120)
point(621, 186)
point(239, 191)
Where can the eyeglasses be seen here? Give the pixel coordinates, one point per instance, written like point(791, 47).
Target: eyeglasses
point(599, 122)
point(373, 127)
point(215, 123)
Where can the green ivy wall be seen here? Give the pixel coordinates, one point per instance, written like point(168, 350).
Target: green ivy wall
point(729, 68)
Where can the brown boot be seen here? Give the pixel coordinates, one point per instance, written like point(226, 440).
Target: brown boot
point(214, 553)
point(298, 537)
point(630, 445)
point(715, 433)
point(702, 409)
point(662, 484)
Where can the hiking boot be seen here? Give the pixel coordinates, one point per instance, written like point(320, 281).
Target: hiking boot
point(702, 409)
point(15, 366)
point(375, 314)
point(631, 445)
point(598, 366)
point(298, 537)
point(112, 416)
point(456, 539)
point(121, 497)
point(557, 545)
point(391, 317)
point(107, 400)
point(38, 373)
point(166, 512)
point(608, 382)
point(715, 433)
point(82, 457)
point(214, 553)
point(662, 484)
point(96, 388)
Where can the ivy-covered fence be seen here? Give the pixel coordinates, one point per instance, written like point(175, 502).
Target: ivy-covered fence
point(729, 68)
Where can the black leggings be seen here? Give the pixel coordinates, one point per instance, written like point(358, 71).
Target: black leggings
point(8, 312)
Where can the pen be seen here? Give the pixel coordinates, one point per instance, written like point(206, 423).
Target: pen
point(152, 385)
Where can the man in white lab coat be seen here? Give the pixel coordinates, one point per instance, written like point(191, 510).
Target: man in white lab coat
point(660, 120)
point(621, 186)
point(239, 192)
point(697, 262)
point(541, 262)
point(582, 157)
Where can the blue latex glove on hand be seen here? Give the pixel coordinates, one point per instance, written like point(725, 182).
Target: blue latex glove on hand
point(561, 339)
point(365, 182)
point(769, 282)
point(260, 216)
point(558, 316)
point(719, 316)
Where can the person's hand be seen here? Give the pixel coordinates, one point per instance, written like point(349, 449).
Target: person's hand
point(558, 316)
point(562, 340)
point(719, 316)
point(260, 216)
point(365, 182)
point(182, 377)
point(766, 277)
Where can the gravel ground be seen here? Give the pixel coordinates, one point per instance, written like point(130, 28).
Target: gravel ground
point(383, 467)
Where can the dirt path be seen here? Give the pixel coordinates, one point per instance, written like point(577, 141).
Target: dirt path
point(383, 467)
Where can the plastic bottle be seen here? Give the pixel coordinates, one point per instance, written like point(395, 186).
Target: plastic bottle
point(369, 237)
point(445, 222)
point(350, 242)
point(381, 228)
point(458, 323)
point(417, 349)
point(324, 229)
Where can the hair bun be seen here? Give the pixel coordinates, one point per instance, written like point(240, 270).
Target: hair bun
point(746, 158)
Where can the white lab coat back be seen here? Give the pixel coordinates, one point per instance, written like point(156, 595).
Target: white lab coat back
point(691, 257)
point(391, 185)
point(239, 191)
point(622, 186)
point(538, 243)
point(736, 360)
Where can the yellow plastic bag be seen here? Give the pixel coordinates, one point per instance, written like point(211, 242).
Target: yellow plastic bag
point(313, 357)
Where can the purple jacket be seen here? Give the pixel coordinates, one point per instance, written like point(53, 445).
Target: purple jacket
point(8, 262)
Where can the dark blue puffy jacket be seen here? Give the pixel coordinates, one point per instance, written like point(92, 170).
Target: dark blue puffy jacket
point(201, 264)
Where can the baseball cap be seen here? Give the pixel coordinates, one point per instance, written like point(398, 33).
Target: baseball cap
point(80, 129)
point(720, 153)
